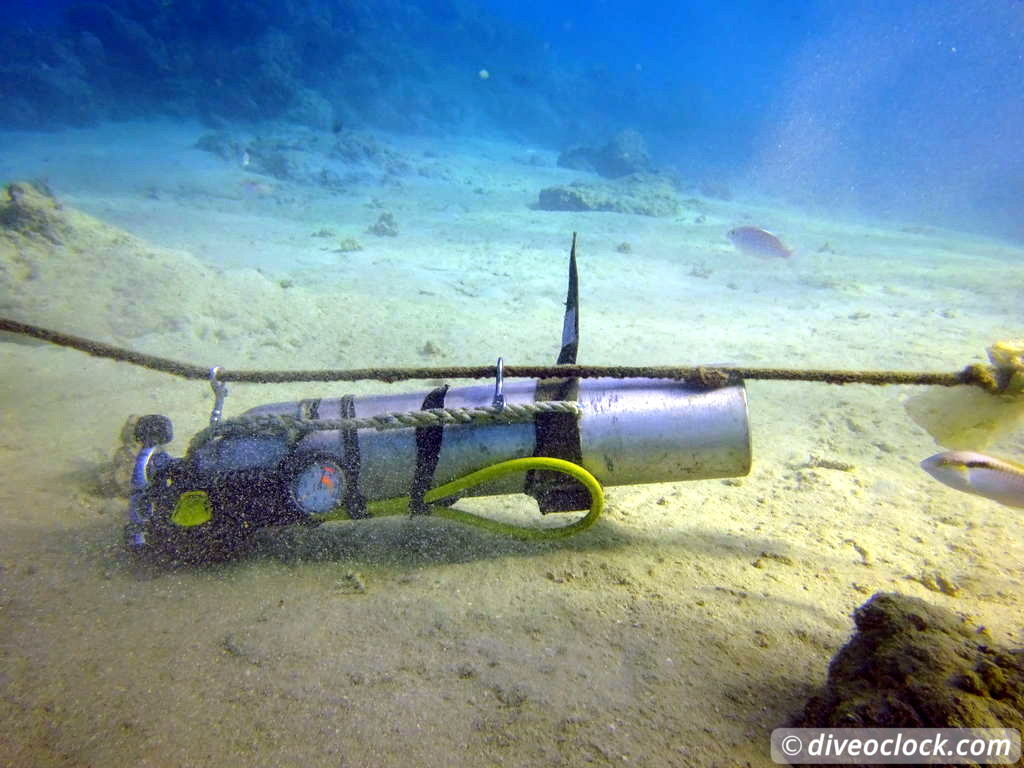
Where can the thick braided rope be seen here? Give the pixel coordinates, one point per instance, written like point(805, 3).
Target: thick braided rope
point(293, 428)
point(430, 417)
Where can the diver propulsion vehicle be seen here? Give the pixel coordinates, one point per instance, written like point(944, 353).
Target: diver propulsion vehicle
point(314, 460)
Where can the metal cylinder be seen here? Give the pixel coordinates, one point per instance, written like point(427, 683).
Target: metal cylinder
point(630, 431)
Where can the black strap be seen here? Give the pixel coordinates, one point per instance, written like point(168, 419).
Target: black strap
point(428, 450)
point(355, 502)
point(557, 435)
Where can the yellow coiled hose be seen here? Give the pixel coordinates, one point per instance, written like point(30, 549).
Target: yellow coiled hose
point(400, 505)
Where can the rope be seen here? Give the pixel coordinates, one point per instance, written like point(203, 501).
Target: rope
point(293, 428)
point(987, 377)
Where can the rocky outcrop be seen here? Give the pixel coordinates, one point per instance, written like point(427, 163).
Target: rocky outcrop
point(29, 208)
point(914, 665)
point(641, 194)
point(297, 154)
point(625, 154)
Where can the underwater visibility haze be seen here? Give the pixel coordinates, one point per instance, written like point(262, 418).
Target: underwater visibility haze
point(204, 567)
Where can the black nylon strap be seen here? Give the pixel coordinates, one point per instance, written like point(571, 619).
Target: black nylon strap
point(428, 450)
point(557, 435)
point(355, 502)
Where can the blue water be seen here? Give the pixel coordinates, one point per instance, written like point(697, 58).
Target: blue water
point(908, 110)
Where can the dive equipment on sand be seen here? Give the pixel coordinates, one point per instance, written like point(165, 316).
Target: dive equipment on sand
point(348, 457)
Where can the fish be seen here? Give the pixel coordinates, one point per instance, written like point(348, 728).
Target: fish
point(755, 241)
point(979, 474)
point(258, 188)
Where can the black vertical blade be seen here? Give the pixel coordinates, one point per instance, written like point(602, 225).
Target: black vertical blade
point(571, 323)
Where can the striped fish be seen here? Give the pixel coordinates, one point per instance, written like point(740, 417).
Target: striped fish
point(977, 473)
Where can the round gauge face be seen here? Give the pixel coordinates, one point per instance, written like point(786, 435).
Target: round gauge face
point(317, 488)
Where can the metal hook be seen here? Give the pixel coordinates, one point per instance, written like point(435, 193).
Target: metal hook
point(499, 398)
point(220, 392)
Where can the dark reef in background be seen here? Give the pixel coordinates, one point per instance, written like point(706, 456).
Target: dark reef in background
point(404, 65)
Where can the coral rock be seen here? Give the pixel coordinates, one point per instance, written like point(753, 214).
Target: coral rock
point(641, 194)
point(914, 665)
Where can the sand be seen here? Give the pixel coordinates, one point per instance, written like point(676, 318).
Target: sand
point(693, 619)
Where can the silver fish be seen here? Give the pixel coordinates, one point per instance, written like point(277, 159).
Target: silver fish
point(979, 474)
point(755, 241)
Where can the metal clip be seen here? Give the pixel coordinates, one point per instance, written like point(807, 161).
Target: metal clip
point(220, 392)
point(499, 398)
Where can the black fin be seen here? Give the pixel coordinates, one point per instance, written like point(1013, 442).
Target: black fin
point(571, 323)
point(428, 451)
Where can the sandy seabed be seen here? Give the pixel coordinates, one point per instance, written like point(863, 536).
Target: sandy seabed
point(693, 619)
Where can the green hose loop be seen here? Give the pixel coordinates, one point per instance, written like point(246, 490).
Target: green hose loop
point(400, 505)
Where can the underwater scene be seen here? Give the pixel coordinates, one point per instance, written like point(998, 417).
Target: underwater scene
point(492, 383)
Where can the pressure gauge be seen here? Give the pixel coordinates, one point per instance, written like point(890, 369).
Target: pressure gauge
point(317, 486)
